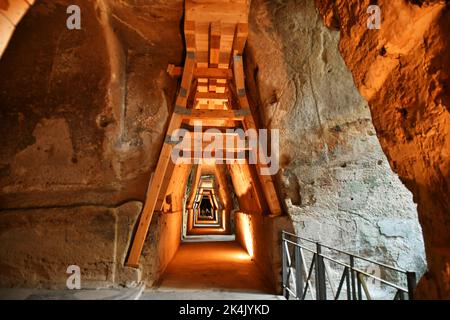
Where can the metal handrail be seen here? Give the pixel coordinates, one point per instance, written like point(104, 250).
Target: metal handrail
point(348, 266)
point(352, 275)
point(366, 259)
point(347, 253)
point(296, 244)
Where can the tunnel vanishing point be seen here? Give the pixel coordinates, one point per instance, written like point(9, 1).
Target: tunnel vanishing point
point(169, 143)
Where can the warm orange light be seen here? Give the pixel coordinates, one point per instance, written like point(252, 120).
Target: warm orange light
point(247, 234)
point(241, 256)
point(224, 219)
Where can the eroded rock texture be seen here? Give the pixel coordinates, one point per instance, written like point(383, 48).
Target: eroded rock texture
point(83, 115)
point(402, 71)
point(336, 181)
point(85, 110)
point(39, 245)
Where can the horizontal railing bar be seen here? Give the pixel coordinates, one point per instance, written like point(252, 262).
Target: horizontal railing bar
point(286, 238)
point(299, 245)
point(366, 259)
point(348, 266)
point(381, 280)
point(347, 253)
point(367, 274)
point(335, 261)
point(294, 235)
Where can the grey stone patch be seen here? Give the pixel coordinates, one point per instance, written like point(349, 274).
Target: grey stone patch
point(345, 193)
point(87, 294)
point(396, 228)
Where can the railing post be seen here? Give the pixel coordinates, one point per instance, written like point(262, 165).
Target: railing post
point(358, 281)
point(299, 270)
point(352, 274)
point(284, 265)
point(347, 280)
point(321, 288)
point(353, 277)
point(412, 282)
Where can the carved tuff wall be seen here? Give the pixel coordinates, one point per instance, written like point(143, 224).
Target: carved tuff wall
point(84, 112)
point(336, 181)
point(402, 71)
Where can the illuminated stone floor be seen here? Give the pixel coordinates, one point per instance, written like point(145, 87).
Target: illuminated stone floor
point(219, 270)
point(221, 266)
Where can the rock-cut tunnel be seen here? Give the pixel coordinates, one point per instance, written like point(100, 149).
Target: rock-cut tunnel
point(213, 154)
point(169, 143)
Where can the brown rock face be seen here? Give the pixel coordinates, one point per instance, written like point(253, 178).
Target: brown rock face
point(82, 116)
point(47, 241)
point(335, 180)
point(83, 111)
point(402, 70)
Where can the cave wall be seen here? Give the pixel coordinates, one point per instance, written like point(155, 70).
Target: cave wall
point(260, 236)
point(82, 115)
point(402, 71)
point(335, 180)
point(84, 111)
point(258, 233)
point(38, 245)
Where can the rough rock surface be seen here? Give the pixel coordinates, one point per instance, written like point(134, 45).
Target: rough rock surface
point(83, 114)
point(82, 117)
point(39, 245)
point(260, 236)
point(402, 71)
point(78, 117)
point(335, 179)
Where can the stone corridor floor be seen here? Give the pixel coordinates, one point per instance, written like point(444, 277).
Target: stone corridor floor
point(199, 271)
point(214, 266)
point(83, 294)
